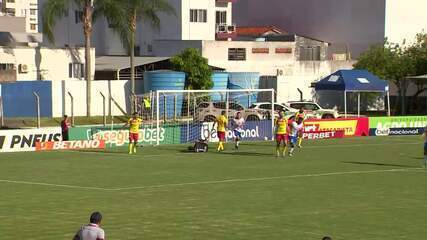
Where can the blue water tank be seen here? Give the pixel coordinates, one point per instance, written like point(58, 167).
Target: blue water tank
point(166, 80)
point(243, 80)
point(220, 82)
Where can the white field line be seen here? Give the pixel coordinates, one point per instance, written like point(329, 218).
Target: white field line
point(212, 182)
point(52, 185)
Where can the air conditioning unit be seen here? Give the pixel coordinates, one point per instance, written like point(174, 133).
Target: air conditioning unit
point(231, 28)
point(279, 72)
point(222, 28)
point(23, 68)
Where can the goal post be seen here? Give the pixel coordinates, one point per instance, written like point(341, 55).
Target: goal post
point(183, 116)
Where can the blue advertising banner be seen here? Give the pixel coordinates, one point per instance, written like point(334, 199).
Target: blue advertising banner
point(252, 131)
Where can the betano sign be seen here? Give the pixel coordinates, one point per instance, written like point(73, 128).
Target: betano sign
point(25, 140)
point(70, 145)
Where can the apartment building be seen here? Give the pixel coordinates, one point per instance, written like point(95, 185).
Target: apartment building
point(21, 9)
point(194, 20)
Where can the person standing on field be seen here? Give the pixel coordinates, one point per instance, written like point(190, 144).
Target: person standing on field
point(221, 121)
point(238, 123)
point(295, 128)
point(65, 126)
point(134, 123)
point(281, 125)
point(300, 115)
point(92, 231)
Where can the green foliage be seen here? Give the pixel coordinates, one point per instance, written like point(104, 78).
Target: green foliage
point(418, 54)
point(123, 16)
point(196, 68)
point(388, 61)
point(52, 11)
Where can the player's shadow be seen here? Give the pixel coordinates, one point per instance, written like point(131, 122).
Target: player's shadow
point(247, 153)
point(378, 164)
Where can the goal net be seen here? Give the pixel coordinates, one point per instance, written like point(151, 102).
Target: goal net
point(184, 116)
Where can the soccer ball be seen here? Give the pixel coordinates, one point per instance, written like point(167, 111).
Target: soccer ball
point(265, 138)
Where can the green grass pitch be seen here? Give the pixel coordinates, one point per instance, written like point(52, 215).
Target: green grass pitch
point(356, 188)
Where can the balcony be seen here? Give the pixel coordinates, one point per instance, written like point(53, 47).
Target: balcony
point(225, 32)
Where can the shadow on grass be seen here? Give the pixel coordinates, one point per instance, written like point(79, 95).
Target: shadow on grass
point(247, 154)
point(378, 164)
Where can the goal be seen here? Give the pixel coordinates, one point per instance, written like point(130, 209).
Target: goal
point(184, 116)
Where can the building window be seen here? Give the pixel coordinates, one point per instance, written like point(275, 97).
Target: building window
point(10, 1)
point(237, 54)
point(78, 16)
point(76, 70)
point(33, 12)
point(221, 17)
point(33, 26)
point(10, 11)
point(198, 15)
point(309, 53)
point(6, 66)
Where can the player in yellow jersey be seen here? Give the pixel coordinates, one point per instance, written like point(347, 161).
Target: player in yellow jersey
point(300, 115)
point(281, 125)
point(221, 122)
point(133, 124)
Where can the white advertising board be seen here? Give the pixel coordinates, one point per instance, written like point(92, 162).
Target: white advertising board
point(24, 140)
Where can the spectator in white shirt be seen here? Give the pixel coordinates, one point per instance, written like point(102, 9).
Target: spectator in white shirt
point(92, 231)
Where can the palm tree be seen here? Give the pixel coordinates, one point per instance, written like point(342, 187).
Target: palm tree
point(54, 10)
point(125, 22)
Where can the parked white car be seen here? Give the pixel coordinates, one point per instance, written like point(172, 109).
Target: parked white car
point(266, 106)
point(314, 109)
point(208, 111)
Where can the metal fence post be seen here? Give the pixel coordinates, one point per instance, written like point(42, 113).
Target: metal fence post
point(103, 110)
point(1, 113)
point(72, 108)
point(37, 108)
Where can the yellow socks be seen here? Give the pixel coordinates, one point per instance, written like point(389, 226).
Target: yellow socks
point(130, 148)
point(299, 141)
point(220, 146)
point(134, 148)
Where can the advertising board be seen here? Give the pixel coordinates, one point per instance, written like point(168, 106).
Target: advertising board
point(24, 140)
point(350, 126)
point(395, 126)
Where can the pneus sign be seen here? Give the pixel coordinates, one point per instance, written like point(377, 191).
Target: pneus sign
point(25, 140)
point(385, 126)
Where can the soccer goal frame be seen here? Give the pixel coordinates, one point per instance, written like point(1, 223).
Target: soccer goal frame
point(162, 99)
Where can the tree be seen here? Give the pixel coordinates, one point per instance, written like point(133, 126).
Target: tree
point(125, 16)
point(53, 10)
point(390, 62)
point(196, 68)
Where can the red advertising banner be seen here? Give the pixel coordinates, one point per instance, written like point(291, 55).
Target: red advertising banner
point(350, 126)
point(70, 145)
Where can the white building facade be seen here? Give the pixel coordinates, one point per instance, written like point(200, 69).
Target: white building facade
point(27, 9)
point(350, 25)
point(38, 63)
point(194, 20)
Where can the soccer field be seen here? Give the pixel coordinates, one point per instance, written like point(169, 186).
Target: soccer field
point(355, 188)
